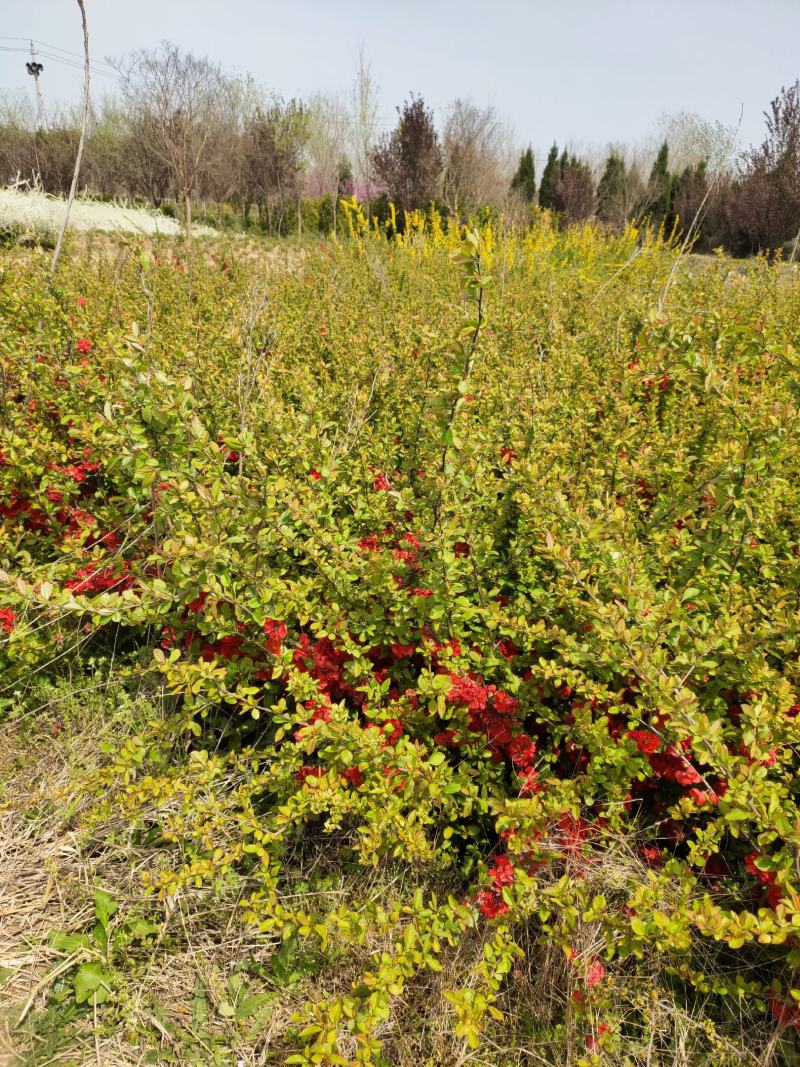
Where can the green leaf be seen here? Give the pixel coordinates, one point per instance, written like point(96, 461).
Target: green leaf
point(104, 906)
point(88, 979)
point(69, 943)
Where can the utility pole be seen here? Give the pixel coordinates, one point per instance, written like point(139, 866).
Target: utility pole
point(35, 69)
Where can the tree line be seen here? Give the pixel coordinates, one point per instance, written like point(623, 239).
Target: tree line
point(183, 135)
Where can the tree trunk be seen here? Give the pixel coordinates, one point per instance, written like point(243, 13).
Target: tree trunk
point(187, 214)
point(84, 119)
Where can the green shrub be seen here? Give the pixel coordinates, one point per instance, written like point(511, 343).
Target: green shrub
point(502, 589)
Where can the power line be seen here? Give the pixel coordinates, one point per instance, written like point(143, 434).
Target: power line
point(55, 48)
point(72, 64)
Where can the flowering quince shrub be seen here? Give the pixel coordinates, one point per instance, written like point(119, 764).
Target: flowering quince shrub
point(475, 555)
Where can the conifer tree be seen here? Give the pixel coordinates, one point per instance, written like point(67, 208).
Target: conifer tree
point(660, 186)
point(550, 175)
point(611, 190)
point(524, 181)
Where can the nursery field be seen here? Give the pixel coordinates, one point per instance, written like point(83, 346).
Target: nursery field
point(399, 650)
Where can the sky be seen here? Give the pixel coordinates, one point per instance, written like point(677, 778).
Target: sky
point(582, 72)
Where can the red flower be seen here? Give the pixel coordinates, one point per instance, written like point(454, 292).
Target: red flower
point(381, 483)
point(593, 1040)
point(491, 904)
point(505, 704)
point(315, 474)
point(8, 619)
point(82, 301)
point(353, 777)
point(446, 738)
point(650, 854)
point(275, 632)
point(595, 974)
point(391, 737)
point(469, 692)
point(530, 783)
point(83, 346)
point(422, 592)
point(787, 1013)
point(687, 775)
point(309, 772)
point(320, 712)
point(645, 741)
point(199, 603)
point(502, 872)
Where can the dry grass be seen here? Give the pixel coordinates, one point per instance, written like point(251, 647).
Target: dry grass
point(173, 993)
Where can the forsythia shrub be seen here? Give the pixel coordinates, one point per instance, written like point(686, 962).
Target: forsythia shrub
point(495, 577)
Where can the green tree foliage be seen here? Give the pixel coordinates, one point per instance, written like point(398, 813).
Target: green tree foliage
point(550, 174)
point(611, 189)
point(408, 161)
point(524, 181)
point(575, 197)
point(660, 187)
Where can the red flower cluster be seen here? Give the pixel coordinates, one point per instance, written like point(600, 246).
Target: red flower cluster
point(491, 711)
point(674, 768)
point(198, 603)
point(491, 904)
point(8, 619)
point(96, 579)
point(79, 471)
point(228, 647)
point(83, 346)
point(502, 872)
point(645, 741)
point(325, 663)
point(309, 772)
point(353, 777)
point(275, 632)
point(773, 892)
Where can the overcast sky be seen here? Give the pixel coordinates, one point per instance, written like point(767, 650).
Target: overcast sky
point(581, 71)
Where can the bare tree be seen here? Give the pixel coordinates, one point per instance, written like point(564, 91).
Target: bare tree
point(179, 104)
point(328, 128)
point(693, 140)
point(476, 158)
point(82, 138)
point(766, 201)
point(364, 127)
point(274, 143)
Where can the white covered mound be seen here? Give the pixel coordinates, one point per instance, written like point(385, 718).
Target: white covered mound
point(35, 210)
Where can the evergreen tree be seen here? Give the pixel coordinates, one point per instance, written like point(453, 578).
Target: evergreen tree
point(524, 181)
point(611, 191)
point(575, 197)
point(660, 186)
point(550, 175)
